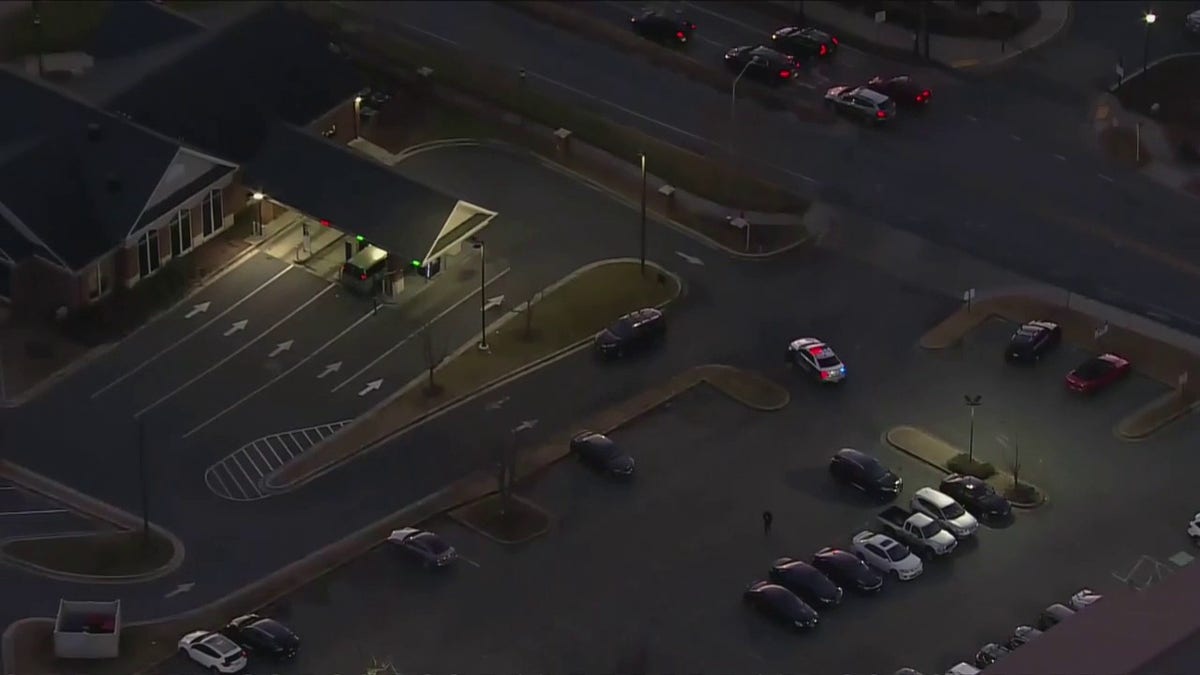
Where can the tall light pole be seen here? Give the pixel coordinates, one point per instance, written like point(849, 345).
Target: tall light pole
point(143, 489)
point(643, 249)
point(972, 402)
point(483, 345)
point(1149, 18)
point(258, 198)
point(754, 61)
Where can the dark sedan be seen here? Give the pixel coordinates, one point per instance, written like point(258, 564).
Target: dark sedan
point(802, 43)
point(903, 89)
point(599, 452)
point(805, 581)
point(976, 496)
point(663, 29)
point(262, 636)
point(847, 570)
point(761, 63)
point(631, 333)
point(1032, 341)
point(780, 604)
point(864, 472)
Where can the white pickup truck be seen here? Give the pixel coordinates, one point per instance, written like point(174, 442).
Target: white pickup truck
point(918, 530)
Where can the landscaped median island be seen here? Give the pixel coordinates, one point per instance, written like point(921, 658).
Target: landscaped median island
point(108, 555)
point(1152, 357)
point(941, 455)
point(462, 95)
point(562, 317)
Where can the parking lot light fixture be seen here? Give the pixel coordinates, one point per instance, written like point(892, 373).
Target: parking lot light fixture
point(483, 344)
point(643, 249)
point(1149, 18)
point(972, 402)
point(258, 198)
point(357, 114)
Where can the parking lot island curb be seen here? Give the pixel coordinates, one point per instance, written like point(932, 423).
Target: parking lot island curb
point(471, 516)
point(92, 508)
point(297, 472)
point(1156, 416)
point(28, 647)
point(937, 453)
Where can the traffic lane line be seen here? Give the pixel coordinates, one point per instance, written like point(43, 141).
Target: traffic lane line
point(165, 377)
point(244, 372)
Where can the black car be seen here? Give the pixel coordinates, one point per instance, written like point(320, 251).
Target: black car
point(781, 605)
point(263, 636)
point(805, 581)
point(991, 653)
point(847, 570)
point(1032, 341)
point(865, 473)
point(902, 89)
point(803, 43)
point(1022, 635)
point(599, 452)
point(761, 63)
point(663, 29)
point(976, 496)
point(632, 332)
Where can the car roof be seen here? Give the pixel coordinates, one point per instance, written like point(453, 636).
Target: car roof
point(856, 456)
point(763, 50)
point(1044, 325)
point(935, 497)
point(1112, 358)
point(920, 519)
point(219, 642)
point(871, 95)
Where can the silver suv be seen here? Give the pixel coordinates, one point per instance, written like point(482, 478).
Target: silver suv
point(866, 104)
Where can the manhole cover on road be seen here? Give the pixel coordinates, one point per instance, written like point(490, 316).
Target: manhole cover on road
point(238, 476)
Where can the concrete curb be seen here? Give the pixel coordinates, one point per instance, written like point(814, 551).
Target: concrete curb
point(95, 509)
point(617, 196)
point(887, 438)
point(274, 483)
point(1122, 428)
point(312, 567)
point(484, 532)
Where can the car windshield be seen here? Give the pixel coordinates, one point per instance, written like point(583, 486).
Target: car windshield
point(432, 542)
point(929, 530)
point(1026, 334)
point(828, 361)
point(622, 328)
point(1094, 368)
point(953, 510)
point(898, 552)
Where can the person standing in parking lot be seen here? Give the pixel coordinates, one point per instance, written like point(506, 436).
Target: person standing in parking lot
point(768, 518)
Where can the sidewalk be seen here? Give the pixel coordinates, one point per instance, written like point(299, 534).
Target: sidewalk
point(964, 54)
point(1163, 165)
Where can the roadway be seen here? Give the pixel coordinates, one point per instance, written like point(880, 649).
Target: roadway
point(950, 176)
point(206, 387)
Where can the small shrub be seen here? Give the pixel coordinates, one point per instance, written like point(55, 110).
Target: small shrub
point(971, 467)
point(1023, 493)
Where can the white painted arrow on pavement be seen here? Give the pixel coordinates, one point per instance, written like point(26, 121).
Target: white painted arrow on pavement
point(526, 425)
point(371, 386)
point(331, 368)
point(198, 309)
point(237, 325)
point(690, 258)
point(498, 403)
point(180, 589)
point(280, 348)
point(493, 302)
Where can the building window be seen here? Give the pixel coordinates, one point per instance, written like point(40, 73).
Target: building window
point(212, 212)
point(148, 259)
point(99, 281)
point(181, 232)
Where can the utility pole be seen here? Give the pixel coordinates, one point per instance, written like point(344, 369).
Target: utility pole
point(643, 249)
point(37, 37)
point(1016, 459)
point(972, 402)
point(143, 489)
point(925, 25)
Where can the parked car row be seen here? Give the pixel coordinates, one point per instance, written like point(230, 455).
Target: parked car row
point(1034, 340)
point(1049, 618)
point(794, 587)
point(227, 650)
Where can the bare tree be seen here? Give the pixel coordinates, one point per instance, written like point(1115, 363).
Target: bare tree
point(529, 313)
point(434, 356)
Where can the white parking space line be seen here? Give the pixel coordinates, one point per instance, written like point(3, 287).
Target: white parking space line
point(33, 512)
point(7, 487)
point(189, 336)
point(417, 332)
point(468, 561)
point(235, 352)
point(370, 313)
point(276, 454)
point(1106, 178)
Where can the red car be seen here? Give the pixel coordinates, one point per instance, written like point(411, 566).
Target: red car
point(902, 89)
point(1097, 373)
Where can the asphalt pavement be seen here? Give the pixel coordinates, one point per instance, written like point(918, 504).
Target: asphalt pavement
point(950, 176)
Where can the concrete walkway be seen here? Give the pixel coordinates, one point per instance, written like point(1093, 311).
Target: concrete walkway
point(968, 54)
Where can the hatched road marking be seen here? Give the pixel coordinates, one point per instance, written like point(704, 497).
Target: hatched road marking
point(239, 475)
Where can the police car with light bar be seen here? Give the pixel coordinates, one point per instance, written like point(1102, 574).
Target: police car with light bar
point(817, 358)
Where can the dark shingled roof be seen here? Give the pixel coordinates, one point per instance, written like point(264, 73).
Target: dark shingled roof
point(80, 196)
point(132, 26)
point(355, 193)
point(226, 93)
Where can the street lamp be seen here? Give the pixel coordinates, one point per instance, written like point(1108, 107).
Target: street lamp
point(357, 114)
point(483, 345)
point(643, 258)
point(972, 402)
point(754, 61)
point(258, 198)
point(1149, 19)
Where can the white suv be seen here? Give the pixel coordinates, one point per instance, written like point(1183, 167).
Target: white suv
point(884, 553)
point(213, 651)
point(947, 512)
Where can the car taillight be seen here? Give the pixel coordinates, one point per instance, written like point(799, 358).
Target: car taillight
point(680, 35)
point(879, 114)
point(785, 74)
point(362, 277)
point(835, 40)
point(824, 50)
point(691, 26)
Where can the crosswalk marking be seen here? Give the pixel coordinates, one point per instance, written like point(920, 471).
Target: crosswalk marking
point(238, 476)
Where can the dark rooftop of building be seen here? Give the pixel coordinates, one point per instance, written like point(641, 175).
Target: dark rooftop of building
point(133, 26)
